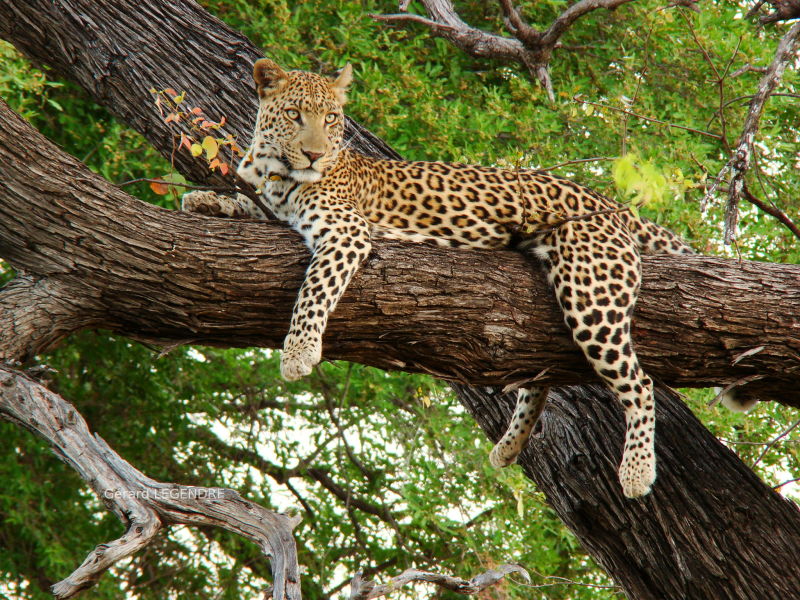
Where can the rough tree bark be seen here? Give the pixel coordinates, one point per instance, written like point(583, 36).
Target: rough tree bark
point(706, 532)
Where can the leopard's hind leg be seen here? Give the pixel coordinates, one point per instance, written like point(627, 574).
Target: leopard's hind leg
point(595, 270)
point(530, 403)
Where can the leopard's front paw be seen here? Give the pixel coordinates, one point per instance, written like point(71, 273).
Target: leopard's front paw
point(299, 358)
point(201, 201)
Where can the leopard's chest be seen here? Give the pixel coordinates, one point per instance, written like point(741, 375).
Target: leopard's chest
point(280, 197)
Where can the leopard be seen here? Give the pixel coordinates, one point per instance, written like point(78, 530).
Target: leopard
point(341, 201)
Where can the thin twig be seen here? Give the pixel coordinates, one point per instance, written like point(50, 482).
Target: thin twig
point(365, 590)
point(747, 443)
point(750, 97)
point(719, 79)
point(639, 79)
point(775, 441)
point(178, 184)
point(747, 68)
point(772, 211)
point(556, 580)
point(651, 119)
point(244, 189)
point(780, 485)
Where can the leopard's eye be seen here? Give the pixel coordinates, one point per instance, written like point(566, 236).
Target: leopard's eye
point(331, 118)
point(293, 114)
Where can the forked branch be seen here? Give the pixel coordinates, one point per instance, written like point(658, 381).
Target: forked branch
point(529, 47)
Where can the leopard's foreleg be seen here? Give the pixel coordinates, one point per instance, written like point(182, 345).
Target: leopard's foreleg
point(340, 242)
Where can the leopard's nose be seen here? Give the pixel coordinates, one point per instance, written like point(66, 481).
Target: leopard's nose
point(312, 156)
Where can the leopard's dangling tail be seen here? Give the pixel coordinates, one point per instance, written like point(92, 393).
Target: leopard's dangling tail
point(652, 238)
point(736, 400)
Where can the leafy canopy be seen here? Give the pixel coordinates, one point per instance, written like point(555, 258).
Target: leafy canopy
point(386, 468)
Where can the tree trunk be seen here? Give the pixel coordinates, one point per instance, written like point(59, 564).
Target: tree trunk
point(710, 530)
point(92, 256)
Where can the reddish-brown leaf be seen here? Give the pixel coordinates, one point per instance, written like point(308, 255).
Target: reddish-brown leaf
point(160, 187)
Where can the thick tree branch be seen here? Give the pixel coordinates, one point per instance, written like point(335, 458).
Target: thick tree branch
point(168, 277)
point(647, 546)
point(142, 504)
point(36, 312)
point(706, 517)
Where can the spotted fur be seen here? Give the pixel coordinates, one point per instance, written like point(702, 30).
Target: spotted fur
point(340, 201)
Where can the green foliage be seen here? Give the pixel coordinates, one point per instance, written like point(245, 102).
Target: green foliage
point(64, 113)
point(409, 466)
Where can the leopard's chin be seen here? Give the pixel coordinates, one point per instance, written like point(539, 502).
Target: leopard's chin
point(305, 175)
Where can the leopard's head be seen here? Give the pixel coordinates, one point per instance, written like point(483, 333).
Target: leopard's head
point(300, 124)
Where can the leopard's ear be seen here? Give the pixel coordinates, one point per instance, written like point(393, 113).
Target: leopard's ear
point(269, 77)
point(341, 82)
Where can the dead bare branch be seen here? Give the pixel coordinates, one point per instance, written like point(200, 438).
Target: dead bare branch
point(572, 14)
point(530, 47)
point(747, 68)
point(740, 160)
point(144, 505)
point(361, 589)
